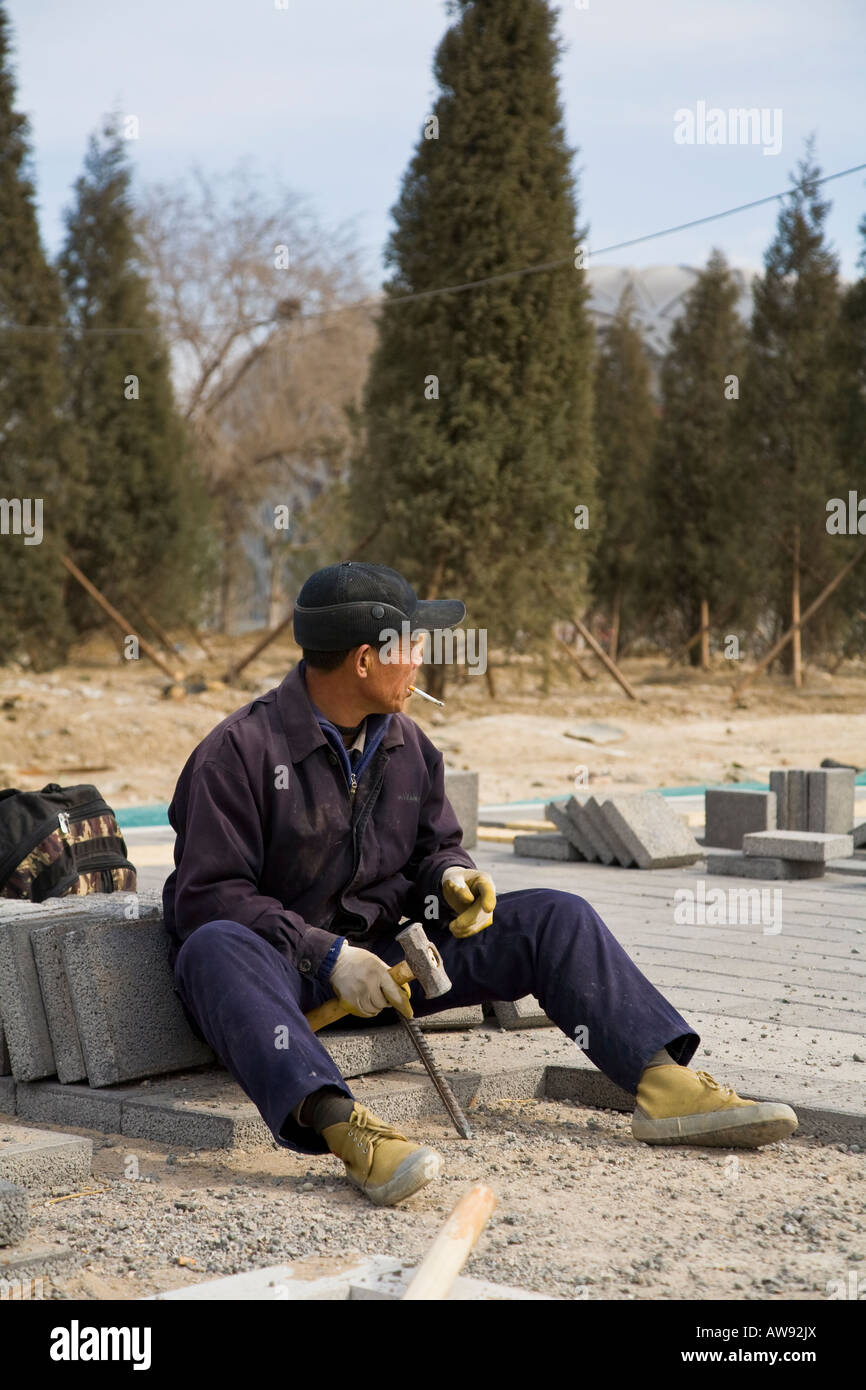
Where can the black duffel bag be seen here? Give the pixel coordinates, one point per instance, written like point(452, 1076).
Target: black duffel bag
point(59, 841)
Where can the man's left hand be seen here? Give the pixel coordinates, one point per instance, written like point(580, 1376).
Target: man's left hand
point(472, 896)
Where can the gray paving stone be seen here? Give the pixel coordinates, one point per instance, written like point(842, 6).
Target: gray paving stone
point(461, 788)
point(56, 999)
point(591, 827)
point(857, 867)
point(732, 812)
point(224, 1124)
point(622, 853)
point(450, 1020)
point(84, 1107)
point(5, 1059)
point(556, 813)
point(570, 811)
point(779, 788)
point(544, 845)
point(14, 1213)
point(798, 799)
point(7, 1095)
point(859, 835)
point(130, 1021)
point(831, 800)
point(798, 844)
point(356, 1053)
point(38, 1158)
point(734, 863)
point(521, 1013)
point(24, 1021)
point(653, 833)
point(601, 829)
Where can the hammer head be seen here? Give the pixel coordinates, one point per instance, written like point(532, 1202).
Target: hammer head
point(424, 960)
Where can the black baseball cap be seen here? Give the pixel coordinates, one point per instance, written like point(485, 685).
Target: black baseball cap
point(343, 606)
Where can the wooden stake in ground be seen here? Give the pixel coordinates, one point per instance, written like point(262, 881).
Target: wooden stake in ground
point(812, 609)
point(572, 656)
point(452, 1247)
point(235, 669)
point(599, 651)
point(126, 628)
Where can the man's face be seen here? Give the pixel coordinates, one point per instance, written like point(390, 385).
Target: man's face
point(386, 685)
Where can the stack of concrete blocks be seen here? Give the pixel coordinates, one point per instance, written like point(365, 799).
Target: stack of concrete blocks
point(790, 832)
point(36, 1160)
point(640, 830)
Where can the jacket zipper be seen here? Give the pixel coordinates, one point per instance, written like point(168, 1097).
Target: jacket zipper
point(353, 786)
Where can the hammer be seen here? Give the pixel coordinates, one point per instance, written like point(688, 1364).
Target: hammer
point(424, 964)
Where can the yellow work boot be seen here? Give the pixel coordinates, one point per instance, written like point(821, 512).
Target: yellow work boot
point(381, 1161)
point(676, 1105)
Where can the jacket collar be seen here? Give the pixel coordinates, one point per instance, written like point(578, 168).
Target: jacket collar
point(303, 730)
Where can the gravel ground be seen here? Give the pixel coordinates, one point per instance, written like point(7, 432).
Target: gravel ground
point(584, 1212)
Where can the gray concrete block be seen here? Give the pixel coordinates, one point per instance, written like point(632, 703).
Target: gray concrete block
point(544, 845)
point(357, 1053)
point(577, 835)
point(737, 865)
point(831, 800)
point(732, 812)
point(591, 827)
point(24, 1021)
point(57, 1000)
point(798, 799)
point(233, 1125)
point(38, 1158)
point(653, 833)
point(5, 1059)
point(84, 1107)
point(555, 812)
point(599, 825)
point(452, 1020)
point(857, 867)
point(779, 788)
point(521, 1013)
point(130, 1021)
point(798, 844)
point(859, 835)
point(14, 1213)
point(461, 788)
point(622, 853)
point(7, 1095)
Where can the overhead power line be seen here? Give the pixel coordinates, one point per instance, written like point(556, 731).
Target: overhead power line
point(380, 301)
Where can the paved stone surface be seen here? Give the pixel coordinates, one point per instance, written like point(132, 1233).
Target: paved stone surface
point(798, 844)
point(14, 1213)
point(732, 812)
point(37, 1158)
point(545, 845)
point(653, 832)
point(831, 800)
point(461, 788)
point(130, 1021)
point(732, 862)
point(521, 1013)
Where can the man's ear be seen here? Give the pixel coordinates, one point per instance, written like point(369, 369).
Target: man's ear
point(364, 661)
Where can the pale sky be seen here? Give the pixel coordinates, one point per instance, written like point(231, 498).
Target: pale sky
point(331, 95)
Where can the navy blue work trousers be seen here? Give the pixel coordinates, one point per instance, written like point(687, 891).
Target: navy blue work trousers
point(249, 1002)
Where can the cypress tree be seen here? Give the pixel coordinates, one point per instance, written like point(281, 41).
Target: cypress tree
point(37, 448)
point(789, 396)
point(141, 535)
point(625, 424)
point(700, 551)
point(851, 435)
point(474, 437)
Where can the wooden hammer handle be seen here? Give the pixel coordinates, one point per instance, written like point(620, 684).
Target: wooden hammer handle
point(335, 1008)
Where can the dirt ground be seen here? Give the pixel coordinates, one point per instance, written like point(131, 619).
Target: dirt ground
point(105, 720)
point(584, 1212)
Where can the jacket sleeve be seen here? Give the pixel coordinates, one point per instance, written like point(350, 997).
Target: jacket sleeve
point(220, 864)
point(438, 844)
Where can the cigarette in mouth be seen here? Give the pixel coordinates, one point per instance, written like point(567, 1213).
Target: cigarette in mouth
point(413, 690)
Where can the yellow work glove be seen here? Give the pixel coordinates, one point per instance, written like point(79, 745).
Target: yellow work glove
point(364, 984)
point(472, 896)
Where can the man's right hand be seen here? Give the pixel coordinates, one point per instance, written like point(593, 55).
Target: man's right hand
point(364, 984)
